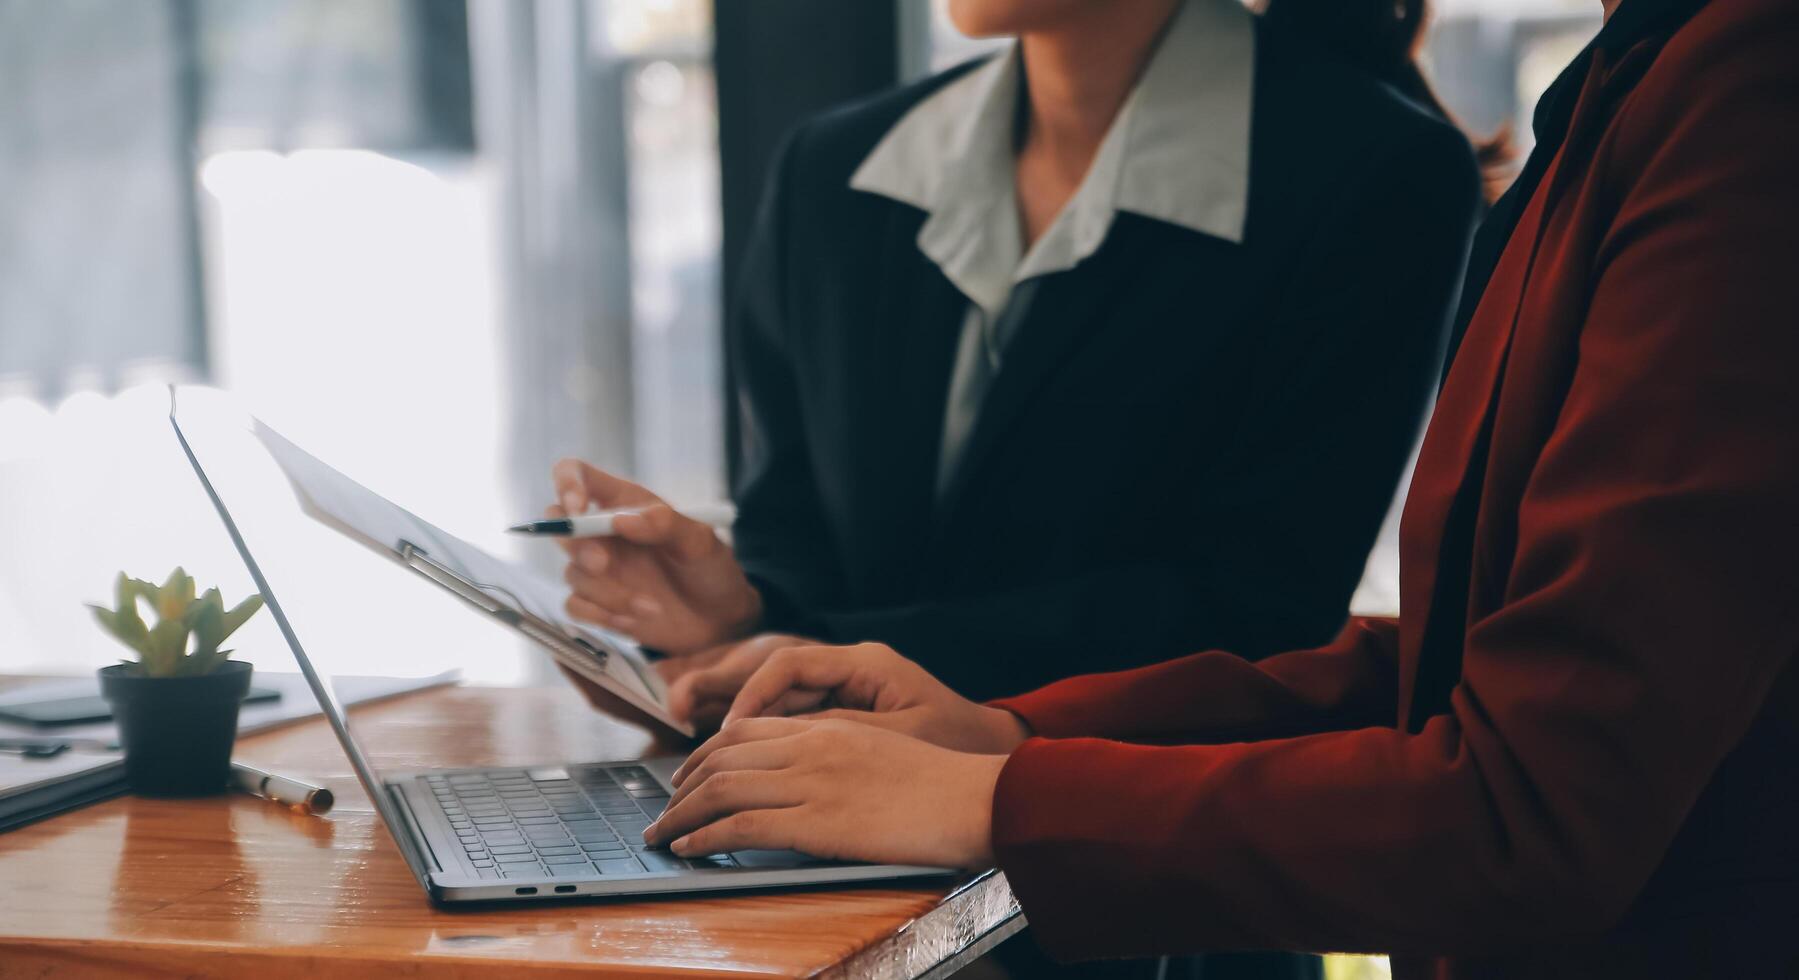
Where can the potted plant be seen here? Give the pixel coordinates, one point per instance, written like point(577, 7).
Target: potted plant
point(176, 706)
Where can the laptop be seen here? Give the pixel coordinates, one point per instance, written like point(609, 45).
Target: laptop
point(562, 829)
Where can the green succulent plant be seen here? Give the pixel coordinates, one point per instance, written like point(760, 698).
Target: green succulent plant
point(163, 649)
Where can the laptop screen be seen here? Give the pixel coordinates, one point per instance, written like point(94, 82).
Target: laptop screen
point(339, 566)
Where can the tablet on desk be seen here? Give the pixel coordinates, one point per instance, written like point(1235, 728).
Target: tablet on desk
point(86, 709)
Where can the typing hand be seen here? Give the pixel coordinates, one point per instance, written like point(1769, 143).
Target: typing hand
point(701, 687)
point(663, 578)
point(832, 789)
point(873, 685)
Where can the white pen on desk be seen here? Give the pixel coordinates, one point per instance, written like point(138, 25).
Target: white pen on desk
point(598, 524)
point(295, 795)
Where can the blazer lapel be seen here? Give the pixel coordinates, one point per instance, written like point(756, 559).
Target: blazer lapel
point(1064, 312)
point(901, 425)
point(1437, 527)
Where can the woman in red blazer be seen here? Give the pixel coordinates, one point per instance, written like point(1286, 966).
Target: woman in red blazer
point(1576, 753)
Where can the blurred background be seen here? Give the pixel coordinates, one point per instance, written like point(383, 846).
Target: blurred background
point(439, 243)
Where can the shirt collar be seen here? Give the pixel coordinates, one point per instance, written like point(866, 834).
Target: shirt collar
point(1178, 152)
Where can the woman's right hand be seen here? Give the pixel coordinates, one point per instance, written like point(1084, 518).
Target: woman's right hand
point(872, 684)
point(663, 578)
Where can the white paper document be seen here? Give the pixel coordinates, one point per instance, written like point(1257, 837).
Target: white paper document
point(619, 664)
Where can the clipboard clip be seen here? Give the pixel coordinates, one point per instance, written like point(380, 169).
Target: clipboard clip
point(482, 596)
point(478, 593)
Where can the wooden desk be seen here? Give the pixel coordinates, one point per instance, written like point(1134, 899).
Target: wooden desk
point(235, 886)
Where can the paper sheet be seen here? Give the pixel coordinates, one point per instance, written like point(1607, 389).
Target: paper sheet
point(363, 514)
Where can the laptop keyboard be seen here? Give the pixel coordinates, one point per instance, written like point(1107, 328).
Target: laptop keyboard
point(577, 822)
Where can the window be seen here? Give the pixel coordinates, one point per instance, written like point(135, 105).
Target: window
point(439, 244)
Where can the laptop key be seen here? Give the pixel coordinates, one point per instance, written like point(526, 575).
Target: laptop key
point(596, 836)
point(602, 847)
point(619, 866)
point(550, 851)
point(483, 863)
point(507, 860)
point(576, 858)
point(661, 861)
point(571, 870)
point(509, 849)
point(488, 872)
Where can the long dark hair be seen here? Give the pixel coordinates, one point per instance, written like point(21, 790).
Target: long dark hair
point(1382, 37)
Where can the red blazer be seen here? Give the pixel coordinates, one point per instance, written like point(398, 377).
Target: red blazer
point(1599, 773)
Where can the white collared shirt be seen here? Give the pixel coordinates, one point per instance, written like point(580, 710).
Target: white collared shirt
point(1178, 151)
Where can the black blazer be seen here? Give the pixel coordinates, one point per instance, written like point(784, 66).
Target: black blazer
point(1191, 443)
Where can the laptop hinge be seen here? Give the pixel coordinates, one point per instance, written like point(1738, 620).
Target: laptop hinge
point(415, 847)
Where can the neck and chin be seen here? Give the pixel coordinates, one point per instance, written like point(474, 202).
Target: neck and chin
point(1080, 67)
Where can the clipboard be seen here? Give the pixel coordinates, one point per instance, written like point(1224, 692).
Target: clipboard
point(579, 654)
point(511, 593)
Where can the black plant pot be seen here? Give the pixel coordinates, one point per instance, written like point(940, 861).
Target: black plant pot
point(177, 732)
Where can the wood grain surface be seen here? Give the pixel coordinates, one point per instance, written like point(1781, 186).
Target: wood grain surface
point(235, 886)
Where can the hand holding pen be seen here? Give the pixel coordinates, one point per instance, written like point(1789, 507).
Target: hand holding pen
point(644, 569)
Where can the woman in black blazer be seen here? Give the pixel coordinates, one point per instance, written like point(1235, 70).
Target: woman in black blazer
point(1152, 275)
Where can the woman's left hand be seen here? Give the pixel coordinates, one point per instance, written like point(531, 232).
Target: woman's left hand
point(833, 789)
point(702, 686)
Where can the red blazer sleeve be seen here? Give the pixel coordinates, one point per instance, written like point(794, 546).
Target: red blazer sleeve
point(1220, 697)
point(1649, 610)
